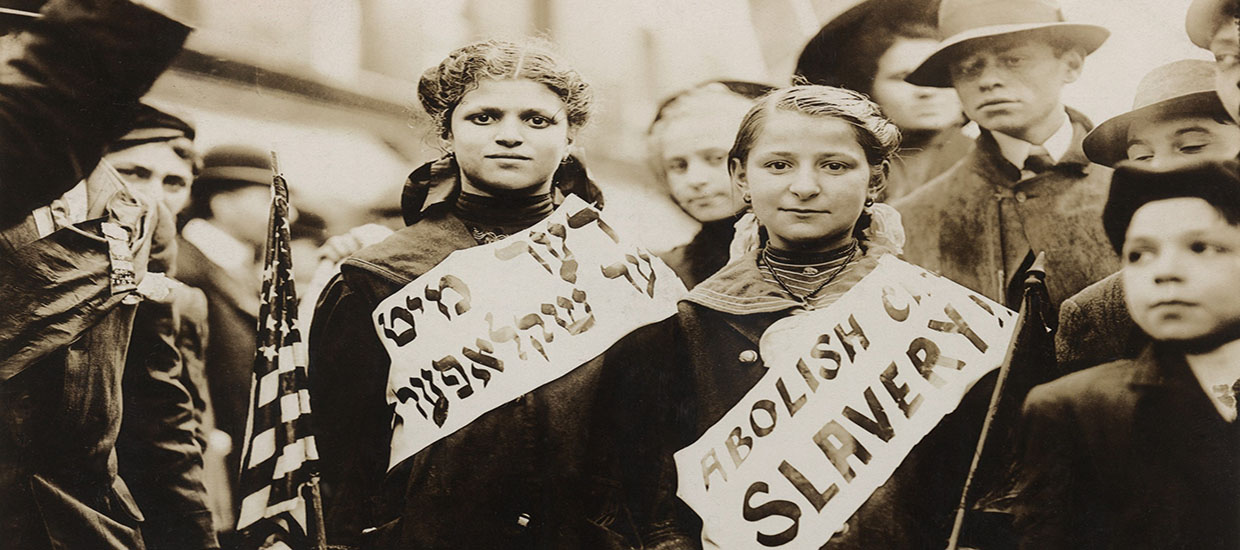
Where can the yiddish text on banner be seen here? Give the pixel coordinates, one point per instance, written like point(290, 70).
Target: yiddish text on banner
point(493, 322)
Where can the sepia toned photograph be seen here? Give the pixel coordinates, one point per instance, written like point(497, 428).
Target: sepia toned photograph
point(619, 275)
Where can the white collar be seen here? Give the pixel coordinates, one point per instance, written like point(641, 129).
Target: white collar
point(218, 246)
point(1017, 150)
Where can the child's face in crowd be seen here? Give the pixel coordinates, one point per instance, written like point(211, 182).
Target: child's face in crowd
point(912, 107)
point(157, 171)
point(1166, 140)
point(1181, 265)
point(1013, 85)
point(1226, 49)
point(509, 135)
point(695, 156)
point(808, 179)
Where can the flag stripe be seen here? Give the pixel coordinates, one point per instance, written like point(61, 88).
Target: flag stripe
point(279, 457)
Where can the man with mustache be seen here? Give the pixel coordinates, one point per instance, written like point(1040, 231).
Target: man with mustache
point(1026, 187)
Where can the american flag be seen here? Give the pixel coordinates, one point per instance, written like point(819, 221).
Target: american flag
point(279, 464)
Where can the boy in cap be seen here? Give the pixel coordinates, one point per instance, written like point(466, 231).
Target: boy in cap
point(1212, 25)
point(1175, 117)
point(1026, 187)
point(1142, 453)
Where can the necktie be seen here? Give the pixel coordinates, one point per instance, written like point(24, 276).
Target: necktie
point(1039, 160)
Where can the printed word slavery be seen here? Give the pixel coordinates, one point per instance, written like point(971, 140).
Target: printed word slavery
point(454, 377)
point(834, 351)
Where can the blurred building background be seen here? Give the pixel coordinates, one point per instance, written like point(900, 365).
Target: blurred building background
point(330, 84)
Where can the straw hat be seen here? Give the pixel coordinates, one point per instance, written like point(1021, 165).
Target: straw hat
point(1205, 17)
point(964, 22)
point(1181, 87)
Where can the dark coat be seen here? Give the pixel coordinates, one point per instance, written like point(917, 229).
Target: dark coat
point(160, 443)
point(975, 223)
point(1130, 454)
point(702, 256)
point(710, 359)
point(1095, 327)
point(232, 319)
point(66, 89)
point(525, 475)
point(916, 164)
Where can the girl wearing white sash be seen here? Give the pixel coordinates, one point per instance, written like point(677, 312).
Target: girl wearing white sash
point(519, 476)
point(810, 160)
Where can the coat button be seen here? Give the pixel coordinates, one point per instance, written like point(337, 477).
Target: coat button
point(748, 356)
point(523, 520)
point(1021, 196)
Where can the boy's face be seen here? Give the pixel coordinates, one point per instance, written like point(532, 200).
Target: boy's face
point(1181, 262)
point(1012, 84)
point(1166, 140)
point(1226, 49)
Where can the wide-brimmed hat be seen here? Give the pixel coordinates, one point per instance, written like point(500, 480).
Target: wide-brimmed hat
point(963, 22)
point(1133, 185)
point(1205, 17)
point(846, 50)
point(1184, 87)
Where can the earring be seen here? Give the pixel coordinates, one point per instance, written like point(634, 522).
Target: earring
point(869, 201)
point(748, 199)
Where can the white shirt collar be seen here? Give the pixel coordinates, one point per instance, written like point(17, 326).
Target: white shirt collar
point(217, 245)
point(1017, 150)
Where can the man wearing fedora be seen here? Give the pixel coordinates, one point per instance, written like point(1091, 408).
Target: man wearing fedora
point(1026, 187)
point(74, 247)
point(219, 252)
point(1212, 25)
point(1176, 117)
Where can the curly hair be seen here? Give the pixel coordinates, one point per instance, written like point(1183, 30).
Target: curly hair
point(441, 88)
point(878, 136)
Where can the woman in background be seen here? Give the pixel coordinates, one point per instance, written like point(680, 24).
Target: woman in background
point(870, 49)
point(689, 140)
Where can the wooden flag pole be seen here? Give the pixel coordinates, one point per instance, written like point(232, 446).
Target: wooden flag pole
point(1035, 275)
point(318, 531)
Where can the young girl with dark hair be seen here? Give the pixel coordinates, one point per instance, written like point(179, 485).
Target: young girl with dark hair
point(520, 475)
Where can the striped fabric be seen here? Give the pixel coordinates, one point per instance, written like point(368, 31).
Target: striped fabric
point(279, 459)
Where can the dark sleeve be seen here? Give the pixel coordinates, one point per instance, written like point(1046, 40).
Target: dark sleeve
point(348, 385)
point(1073, 327)
point(68, 86)
point(158, 451)
point(1046, 507)
point(646, 419)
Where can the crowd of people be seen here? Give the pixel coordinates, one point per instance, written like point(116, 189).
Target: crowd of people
point(933, 132)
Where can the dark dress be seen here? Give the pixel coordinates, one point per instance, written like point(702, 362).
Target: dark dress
point(527, 474)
